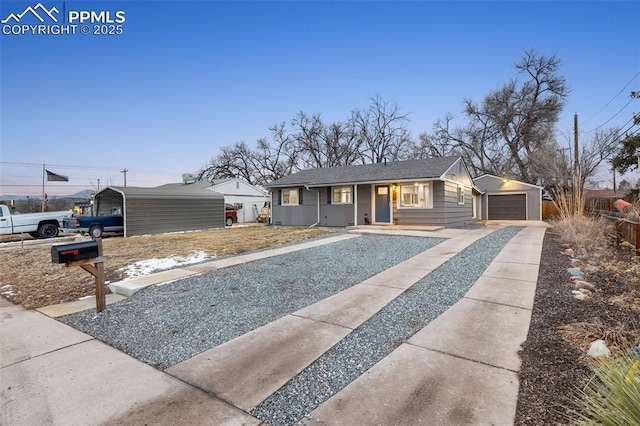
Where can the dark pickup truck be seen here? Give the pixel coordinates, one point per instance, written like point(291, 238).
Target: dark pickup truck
point(95, 225)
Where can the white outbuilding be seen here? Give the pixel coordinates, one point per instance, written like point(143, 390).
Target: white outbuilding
point(246, 198)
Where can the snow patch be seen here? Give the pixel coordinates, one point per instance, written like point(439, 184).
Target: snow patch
point(146, 267)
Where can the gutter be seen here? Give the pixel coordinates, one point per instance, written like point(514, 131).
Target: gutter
point(318, 202)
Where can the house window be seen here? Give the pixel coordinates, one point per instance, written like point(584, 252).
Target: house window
point(416, 195)
point(341, 195)
point(460, 195)
point(290, 197)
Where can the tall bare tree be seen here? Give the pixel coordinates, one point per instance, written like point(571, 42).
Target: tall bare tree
point(325, 145)
point(511, 125)
point(382, 130)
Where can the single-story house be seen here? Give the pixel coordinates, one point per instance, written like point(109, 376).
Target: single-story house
point(434, 191)
point(160, 210)
point(508, 199)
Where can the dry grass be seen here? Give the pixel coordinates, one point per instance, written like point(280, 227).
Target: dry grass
point(618, 339)
point(28, 277)
point(586, 235)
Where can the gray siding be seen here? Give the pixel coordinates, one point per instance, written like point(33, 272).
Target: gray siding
point(304, 214)
point(153, 216)
point(364, 203)
point(492, 185)
point(445, 212)
point(154, 211)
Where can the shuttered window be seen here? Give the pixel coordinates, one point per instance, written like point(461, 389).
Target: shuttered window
point(342, 195)
point(290, 197)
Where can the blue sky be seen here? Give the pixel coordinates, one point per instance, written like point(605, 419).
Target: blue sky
point(186, 78)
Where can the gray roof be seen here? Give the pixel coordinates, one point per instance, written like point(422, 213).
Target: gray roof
point(431, 168)
point(201, 184)
point(163, 192)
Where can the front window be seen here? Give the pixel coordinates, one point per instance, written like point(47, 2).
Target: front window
point(460, 195)
point(416, 195)
point(290, 197)
point(341, 195)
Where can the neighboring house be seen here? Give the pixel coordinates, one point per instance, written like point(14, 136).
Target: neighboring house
point(600, 193)
point(160, 210)
point(508, 199)
point(436, 191)
point(248, 199)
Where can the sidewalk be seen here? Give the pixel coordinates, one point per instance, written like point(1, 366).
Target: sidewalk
point(49, 370)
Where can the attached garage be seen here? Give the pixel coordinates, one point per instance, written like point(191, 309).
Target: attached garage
point(507, 199)
point(157, 210)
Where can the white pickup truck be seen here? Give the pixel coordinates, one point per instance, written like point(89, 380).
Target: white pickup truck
point(38, 225)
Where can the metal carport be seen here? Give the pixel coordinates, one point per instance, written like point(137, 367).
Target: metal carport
point(157, 210)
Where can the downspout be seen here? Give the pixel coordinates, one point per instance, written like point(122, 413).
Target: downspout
point(318, 202)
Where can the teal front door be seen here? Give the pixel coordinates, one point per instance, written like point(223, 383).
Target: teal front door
point(383, 204)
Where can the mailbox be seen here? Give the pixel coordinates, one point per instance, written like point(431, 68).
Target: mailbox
point(63, 253)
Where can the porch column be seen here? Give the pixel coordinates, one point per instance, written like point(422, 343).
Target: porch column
point(355, 205)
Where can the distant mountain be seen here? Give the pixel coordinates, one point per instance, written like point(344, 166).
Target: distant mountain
point(84, 194)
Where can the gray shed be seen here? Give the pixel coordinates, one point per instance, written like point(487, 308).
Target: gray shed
point(508, 199)
point(160, 210)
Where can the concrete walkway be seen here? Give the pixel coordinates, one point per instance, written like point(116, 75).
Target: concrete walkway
point(459, 369)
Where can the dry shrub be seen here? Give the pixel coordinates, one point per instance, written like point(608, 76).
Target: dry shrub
point(585, 234)
point(618, 338)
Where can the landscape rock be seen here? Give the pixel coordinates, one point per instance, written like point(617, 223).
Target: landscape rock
point(583, 284)
point(568, 252)
point(585, 291)
point(575, 262)
point(576, 272)
point(591, 268)
point(577, 278)
point(598, 349)
point(582, 296)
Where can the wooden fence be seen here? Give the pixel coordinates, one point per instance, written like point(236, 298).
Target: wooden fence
point(549, 210)
point(626, 231)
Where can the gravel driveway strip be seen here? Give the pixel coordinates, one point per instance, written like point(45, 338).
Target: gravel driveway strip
point(382, 333)
point(167, 324)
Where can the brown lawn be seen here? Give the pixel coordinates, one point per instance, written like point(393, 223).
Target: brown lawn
point(28, 277)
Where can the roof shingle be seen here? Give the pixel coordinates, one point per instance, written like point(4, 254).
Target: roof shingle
point(431, 168)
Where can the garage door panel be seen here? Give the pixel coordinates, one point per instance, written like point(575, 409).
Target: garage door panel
point(507, 207)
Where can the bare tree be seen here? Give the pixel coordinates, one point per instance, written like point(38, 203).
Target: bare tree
point(234, 161)
point(512, 125)
point(326, 145)
point(382, 130)
point(601, 148)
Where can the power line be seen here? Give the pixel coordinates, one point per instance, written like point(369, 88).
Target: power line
point(614, 116)
point(612, 99)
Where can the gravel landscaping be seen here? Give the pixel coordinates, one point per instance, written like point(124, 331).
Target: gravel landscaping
point(382, 333)
point(164, 325)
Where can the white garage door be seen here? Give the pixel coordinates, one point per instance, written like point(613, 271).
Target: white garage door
point(507, 207)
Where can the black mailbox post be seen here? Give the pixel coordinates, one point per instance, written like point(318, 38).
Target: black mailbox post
point(88, 256)
point(65, 253)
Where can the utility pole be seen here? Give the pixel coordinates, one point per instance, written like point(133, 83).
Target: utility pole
point(575, 142)
point(575, 194)
point(98, 185)
point(124, 172)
